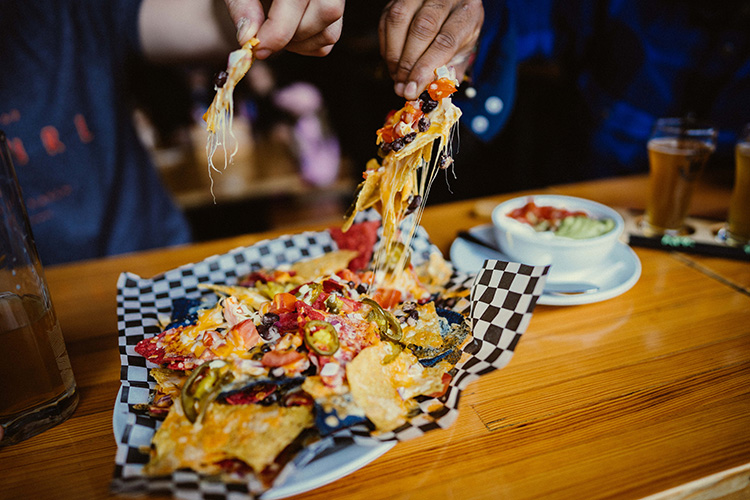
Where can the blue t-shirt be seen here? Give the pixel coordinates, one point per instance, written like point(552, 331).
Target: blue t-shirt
point(89, 185)
point(632, 61)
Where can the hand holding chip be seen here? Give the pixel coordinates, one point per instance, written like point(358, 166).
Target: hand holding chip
point(417, 36)
point(308, 27)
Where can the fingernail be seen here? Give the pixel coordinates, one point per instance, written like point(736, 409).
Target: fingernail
point(245, 30)
point(399, 88)
point(411, 90)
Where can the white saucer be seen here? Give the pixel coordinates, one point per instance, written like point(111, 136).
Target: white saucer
point(614, 276)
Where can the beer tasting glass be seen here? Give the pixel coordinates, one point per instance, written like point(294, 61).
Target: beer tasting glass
point(737, 231)
point(37, 387)
point(677, 152)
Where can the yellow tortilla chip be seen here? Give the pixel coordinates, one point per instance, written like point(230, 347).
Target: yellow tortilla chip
point(254, 434)
point(325, 265)
point(426, 331)
point(384, 391)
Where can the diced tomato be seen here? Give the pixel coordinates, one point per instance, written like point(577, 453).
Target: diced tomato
point(443, 87)
point(280, 358)
point(348, 275)
point(387, 134)
point(247, 332)
point(252, 395)
point(531, 213)
point(331, 286)
point(387, 297)
point(306, 313)
point(408, 115)
point(283, 302)
point(320, 301)
point(350, 305)
point(287, 321)
point(446, 379)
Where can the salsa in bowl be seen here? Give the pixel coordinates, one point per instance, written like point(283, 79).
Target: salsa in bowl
point(568, 233)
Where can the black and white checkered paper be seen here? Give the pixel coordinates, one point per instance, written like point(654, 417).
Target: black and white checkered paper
point(501, 300)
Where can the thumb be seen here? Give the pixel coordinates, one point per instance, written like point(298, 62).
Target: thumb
point(247, 16)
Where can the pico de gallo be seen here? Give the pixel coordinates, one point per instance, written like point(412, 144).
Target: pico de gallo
point(401, 127)
point(575, 224)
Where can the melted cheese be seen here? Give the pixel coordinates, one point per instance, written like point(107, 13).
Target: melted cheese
point(406, 173)
point(220, 114)
point(212, 334)
point(254, 434)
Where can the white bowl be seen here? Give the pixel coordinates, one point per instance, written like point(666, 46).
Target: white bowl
point(520, 242)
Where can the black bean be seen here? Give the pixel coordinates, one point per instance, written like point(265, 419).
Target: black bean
point(398, 144)
point(424, 124)
point(408, 138)
point(444, 160)
point(429, 106)
point(220, 79)
point(414, 203)
point(269, 319)
point(428, 103)
point(267, 332)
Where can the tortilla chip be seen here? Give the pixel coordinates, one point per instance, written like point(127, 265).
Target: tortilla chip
point(254, 434)
point(168, 381)
point(427, 331)
point(325, 265)
point(384, 391)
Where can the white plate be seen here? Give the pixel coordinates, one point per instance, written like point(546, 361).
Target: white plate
point(334, 464)
point(615, 276)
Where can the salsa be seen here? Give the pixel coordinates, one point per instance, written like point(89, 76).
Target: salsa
point(563, 222)
point(543, 218)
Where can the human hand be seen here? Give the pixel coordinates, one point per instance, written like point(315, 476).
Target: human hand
point(417, 36)
point(307, 27)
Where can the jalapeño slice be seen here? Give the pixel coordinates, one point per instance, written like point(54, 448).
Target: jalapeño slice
point(202, 387)
point(390, 329)
point(321, 337)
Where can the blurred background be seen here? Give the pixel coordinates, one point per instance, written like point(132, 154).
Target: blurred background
point(305, 128)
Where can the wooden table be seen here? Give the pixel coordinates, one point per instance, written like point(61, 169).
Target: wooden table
point(626, 398)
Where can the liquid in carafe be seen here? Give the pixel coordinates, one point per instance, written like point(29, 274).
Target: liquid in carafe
point(34, 364)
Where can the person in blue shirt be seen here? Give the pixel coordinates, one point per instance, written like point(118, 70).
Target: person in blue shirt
point(87, 181)
point(563, 90)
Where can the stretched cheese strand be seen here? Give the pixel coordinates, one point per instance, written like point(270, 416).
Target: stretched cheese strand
point(220, 114)
point(392, 186)
point(397, 190)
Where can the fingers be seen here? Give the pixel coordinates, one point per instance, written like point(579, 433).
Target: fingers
point(393, 31)
point(452, 46)
point(319, 44)
point(439, 32)
point(309, 27)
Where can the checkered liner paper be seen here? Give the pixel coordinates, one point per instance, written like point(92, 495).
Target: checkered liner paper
point(502, 298)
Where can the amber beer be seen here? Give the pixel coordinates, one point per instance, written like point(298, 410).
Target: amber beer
point(676, 158)
point(37, 387)
point(739, 204)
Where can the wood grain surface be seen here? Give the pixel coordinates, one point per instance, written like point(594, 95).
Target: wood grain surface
point(645, 394)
